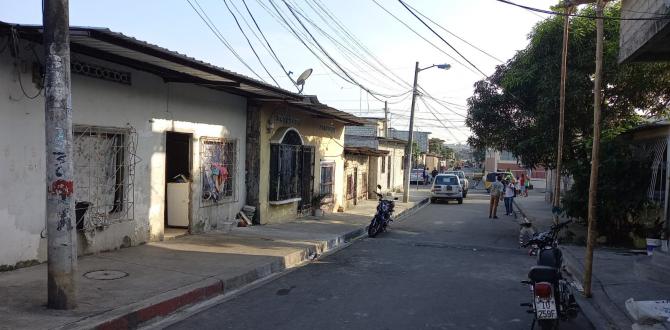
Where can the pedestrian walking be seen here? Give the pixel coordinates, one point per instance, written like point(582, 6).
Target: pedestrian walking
point(527, 187)
point(522, 185)
point(434, 173)
point(425, 176)
point(509, 197)
point(496, 194)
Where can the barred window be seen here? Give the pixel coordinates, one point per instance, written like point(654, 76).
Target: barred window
point(218, 168)
point(327, 182)
point(291, 170)
point(104, 172)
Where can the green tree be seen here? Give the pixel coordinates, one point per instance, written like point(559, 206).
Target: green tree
point(516, 108)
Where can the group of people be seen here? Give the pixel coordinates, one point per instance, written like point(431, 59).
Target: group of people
point(507, 189)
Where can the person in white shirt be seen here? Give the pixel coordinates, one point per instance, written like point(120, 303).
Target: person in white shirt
point(509, 197)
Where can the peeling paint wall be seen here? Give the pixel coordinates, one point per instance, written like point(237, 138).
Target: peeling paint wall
point(151, 107)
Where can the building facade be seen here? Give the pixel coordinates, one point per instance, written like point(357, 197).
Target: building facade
point(296, 151)
point(387, 168)
point(160, 143)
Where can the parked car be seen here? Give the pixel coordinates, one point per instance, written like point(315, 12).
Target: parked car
point(465, 184)
point(416, 176)
point(446, 187)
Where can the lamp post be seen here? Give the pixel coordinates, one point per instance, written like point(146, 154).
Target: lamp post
point(410, 137)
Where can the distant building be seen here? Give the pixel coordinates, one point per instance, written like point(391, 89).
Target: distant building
point(421, 138)
point(385, 167)
point(505, 161)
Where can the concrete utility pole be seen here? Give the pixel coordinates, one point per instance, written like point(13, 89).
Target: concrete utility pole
point(386, 119)
point(561, 128)
point(595, 156)
point(410, 140)
point(62, 244)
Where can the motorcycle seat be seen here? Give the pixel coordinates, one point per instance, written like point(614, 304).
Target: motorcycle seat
point(543, 274)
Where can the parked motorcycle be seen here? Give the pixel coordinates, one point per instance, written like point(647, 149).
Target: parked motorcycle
point(382, 217)
point(552, 297)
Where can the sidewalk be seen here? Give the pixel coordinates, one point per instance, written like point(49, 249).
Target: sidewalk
point(158, 278)
point(619, 274)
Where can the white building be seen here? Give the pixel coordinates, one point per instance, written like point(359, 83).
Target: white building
point(142, 116)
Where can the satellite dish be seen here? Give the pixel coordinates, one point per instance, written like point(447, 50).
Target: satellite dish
point(301, 79)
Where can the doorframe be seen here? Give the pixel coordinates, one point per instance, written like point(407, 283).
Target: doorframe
point(190, 186)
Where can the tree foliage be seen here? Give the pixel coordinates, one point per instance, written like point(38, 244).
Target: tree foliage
point(516, 108)
point(436, 146)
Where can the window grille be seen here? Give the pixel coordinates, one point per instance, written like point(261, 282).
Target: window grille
point(104, 175)
point(218, 170)
point(383, 164)
point(327, 174)
point(350, 187)
point(364, 185)
point(291, 172)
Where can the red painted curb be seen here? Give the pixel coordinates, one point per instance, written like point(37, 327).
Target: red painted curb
point(162, 308)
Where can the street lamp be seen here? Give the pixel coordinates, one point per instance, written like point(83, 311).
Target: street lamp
point(410, 138)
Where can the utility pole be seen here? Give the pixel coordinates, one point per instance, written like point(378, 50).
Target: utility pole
point(61, 240)
point(595, 156)
point(561, 127)
point(410, 140)
point(386, 119)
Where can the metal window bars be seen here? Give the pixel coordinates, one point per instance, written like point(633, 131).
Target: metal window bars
point(218, 169)
point(104, 175)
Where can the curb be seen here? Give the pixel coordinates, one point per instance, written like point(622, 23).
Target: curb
point(134, 315)
point(597, 308)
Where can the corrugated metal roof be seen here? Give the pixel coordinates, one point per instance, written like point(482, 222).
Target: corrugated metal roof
point(176, 67)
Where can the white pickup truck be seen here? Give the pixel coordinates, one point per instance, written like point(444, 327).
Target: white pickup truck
point(465, 184)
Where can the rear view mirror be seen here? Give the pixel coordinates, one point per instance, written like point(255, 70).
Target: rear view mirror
point(379, 186)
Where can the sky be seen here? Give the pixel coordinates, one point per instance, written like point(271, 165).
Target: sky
point(497, 28)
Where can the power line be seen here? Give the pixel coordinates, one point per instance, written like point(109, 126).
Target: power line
point(323, 50)
point(270, 49)
point(551, 12)
point(422, 37)
point(439, 36)
point(346, 51)
point(225, 2)
point(456, 36)
point(212, 27)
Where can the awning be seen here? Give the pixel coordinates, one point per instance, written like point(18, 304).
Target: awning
point(365, 151)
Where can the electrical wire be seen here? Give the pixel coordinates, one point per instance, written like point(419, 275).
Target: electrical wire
point(212, 27)
point(15, 51)
point(454, 35)
point(551, 12)
point(374, 94)
point(274, 54)
point(422, 37)
point(441, 38)
point(253, 50)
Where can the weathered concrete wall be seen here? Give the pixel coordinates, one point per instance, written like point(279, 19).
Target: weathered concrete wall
point(638, 36)
point(357, 165)
point(395, 156)
point(151, 107)
point(326, 135)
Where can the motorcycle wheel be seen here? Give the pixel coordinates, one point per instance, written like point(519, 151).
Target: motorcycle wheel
point(373, 228)
point(548, 324)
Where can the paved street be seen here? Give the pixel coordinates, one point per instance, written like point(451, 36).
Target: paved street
point(446, 267)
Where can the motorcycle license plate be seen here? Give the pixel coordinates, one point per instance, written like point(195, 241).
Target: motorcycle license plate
point(545, 308)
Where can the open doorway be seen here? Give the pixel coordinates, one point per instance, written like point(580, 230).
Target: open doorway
point(177, 183)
